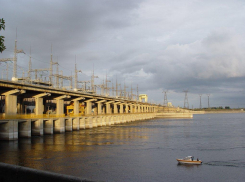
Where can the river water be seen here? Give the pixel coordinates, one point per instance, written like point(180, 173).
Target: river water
point(140, 151)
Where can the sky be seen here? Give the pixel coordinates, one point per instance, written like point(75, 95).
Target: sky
point(159, 45)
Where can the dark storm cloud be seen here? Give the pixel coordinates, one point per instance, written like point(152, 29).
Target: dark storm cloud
point(157, 44)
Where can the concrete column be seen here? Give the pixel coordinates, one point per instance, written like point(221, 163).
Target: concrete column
point(94, 122)
point(37, 127)
point(11, 101)
point(38, 106)
point(24, 128)
point(10, 104)
point(9, 130)
point(108, 107)
point(48, 127)
point(82, 123)
point(113, 119)
point(75, 124)
point(99, 105)
point(39, 103)
point(121, 109)
point(117, 119)
point(103, 120)
point(99, 108)
point(108, 120)
point(68, 124)
point(89, 106)
point(76, 105)
point(131, 108)
point(60, 104)
point(135, 108)
point(89, 122)
point(99, 120)
point(115, 108)
point(126, 108)
point(59, 124)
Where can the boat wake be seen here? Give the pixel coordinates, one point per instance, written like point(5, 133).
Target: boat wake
point(233, 163)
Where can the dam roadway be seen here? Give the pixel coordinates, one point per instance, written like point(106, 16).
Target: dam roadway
point(98, 110)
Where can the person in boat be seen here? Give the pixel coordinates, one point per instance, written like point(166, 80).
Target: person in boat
point(197, 159)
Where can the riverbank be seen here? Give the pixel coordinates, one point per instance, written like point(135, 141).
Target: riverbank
point(219, 111)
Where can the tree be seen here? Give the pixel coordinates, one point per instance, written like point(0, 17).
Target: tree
point(2, 26)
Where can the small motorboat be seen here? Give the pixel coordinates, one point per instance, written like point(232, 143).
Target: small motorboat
point(189, 160)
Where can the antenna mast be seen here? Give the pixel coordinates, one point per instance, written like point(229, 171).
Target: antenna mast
point(208, 101)
point(76, 71)
point(106, 86)
point(92, 81)
point(200, 101)
point(186, 103)
point(165, 102)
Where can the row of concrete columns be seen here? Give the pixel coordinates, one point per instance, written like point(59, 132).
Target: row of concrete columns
point(13, 129)
point(11, 105)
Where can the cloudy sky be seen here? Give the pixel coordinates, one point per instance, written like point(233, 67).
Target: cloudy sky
point(194, 45)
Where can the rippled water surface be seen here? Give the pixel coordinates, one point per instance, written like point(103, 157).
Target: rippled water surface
point(140, 151)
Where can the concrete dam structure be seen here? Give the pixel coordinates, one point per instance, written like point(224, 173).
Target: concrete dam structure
point(71, 110)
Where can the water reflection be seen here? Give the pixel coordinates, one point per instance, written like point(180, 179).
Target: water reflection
point(189, 166)
point(127, 147)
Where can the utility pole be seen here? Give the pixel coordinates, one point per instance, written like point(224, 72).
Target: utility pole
point(186, 103)
point(200, 101)
point(101, 86)
point(30, 65)
point(51, 68)
point(14, 59)
point(165, 102)
point(124, 90)
point(92, 81)
point(208, 100)
point(112, 89)
point(85, 83)
point(106, 86)
point(76, 71)
point(131, 96)
point(117, 94)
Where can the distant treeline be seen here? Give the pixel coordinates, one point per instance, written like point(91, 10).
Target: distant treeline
point(219, 108)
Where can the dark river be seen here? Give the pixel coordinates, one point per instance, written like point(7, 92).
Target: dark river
point(140, 151)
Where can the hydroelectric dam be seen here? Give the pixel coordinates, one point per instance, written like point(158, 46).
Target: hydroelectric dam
point(59, 111)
